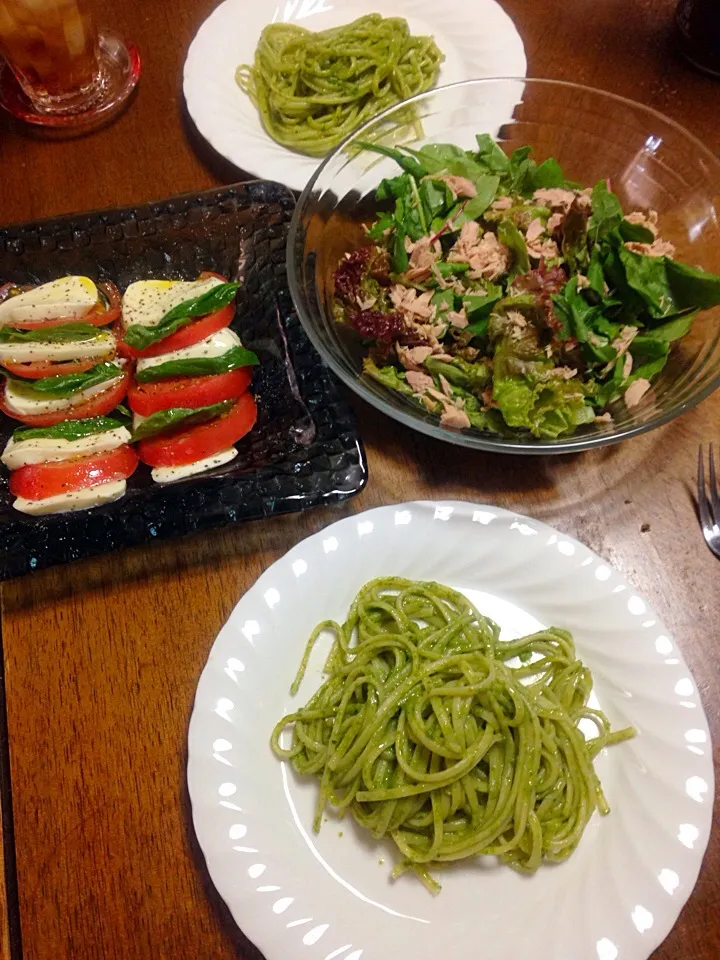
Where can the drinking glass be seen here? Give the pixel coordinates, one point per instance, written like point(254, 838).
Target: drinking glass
point(60, 71)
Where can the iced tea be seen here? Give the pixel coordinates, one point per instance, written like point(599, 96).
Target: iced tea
point(52, 48)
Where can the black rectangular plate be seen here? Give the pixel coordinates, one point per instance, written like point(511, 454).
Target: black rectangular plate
point(305, 450)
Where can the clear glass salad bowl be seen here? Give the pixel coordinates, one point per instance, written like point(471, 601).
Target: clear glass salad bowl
point(652, 163)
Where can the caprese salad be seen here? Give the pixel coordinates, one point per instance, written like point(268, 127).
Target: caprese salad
point(70, 352)
point(189, 393)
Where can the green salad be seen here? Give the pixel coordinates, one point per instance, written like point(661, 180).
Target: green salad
point(501, 296)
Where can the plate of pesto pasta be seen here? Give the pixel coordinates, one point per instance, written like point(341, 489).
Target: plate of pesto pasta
point(434, 726)
point(274, 87)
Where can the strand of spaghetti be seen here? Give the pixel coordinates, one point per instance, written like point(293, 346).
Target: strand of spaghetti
point(313, 89)
point(433, 732)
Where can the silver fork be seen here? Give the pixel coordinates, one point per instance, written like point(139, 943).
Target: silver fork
point(709, 502)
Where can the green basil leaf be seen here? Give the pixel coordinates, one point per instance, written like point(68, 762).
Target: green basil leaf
point(179, 418)
point(199, 366)
point(68, 429)
point(139, 337)
point(60, 333)
point(64, 385)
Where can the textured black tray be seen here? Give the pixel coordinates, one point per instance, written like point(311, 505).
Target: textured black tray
point(304, 451)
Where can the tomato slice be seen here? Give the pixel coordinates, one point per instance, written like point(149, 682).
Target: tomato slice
point(97, 406)
point(205, 440)
point(99, 316)
point(187, 336)
point(37, 369)
point(39, 480)
point(147, 398)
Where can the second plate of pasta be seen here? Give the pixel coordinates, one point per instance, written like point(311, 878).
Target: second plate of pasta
point(472, 651)
point(470, 40)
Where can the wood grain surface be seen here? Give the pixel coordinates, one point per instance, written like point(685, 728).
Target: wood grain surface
point(102, 657)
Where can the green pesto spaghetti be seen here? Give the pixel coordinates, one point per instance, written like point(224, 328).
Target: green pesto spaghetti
point(313, 89)
point(433, 732)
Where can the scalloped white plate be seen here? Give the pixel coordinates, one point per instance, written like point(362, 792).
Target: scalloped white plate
point(477, 37)
point(329, 897)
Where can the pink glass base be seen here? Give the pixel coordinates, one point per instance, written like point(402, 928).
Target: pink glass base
point(120, 68)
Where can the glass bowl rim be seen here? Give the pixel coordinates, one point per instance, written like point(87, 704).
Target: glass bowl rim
point(477, 440)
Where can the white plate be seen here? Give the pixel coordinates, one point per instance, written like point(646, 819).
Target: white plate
point(477, 37)
point(328, 897)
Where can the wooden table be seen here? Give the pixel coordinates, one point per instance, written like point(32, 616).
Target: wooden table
point(101, 658)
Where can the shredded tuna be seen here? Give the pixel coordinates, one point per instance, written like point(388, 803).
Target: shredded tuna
point(446, 388)
point(457, 318)
point(555, 197)
point(555, 222)
point(436, 395)
point(412, 358)
point(627, 365)
point(502, 203)
point(441, 281)
point(636, 391)
point(488, 259)
point(582, 281)
point(454, 417)
point(424, 253)
point(408, 300)
point(543, 250)
point(420, 382)
point(658, 248)
point(467, 241)
point(366, 304)
point(517, 324)
point(428, 402)
point(460, 186)
point(604, 418)
point(534, 231)
point(648, 220)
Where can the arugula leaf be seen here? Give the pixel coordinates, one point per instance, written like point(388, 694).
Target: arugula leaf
point(443, 300)
point(199, 366)
point(377, 231)
point(401, 260)
point(579, 318)
point(392, 188)
point(635, 232)
point(490, 155)
point(62, 333)
point(64, 385)
point(509, 234)
point(447, 158)
point(179, 418)
point(606, 213)
point(522, 172)
point(691, 286)
point(407, 163)
point(68, 429)
point(139, 337)
point(487, 187)
point(437, 198)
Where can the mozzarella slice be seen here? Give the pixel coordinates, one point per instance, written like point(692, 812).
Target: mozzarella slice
point(213, 346)
point(67, 297)
point(19, 400)
point(170, 474)
point(77, 500)
point(147, 301)
point(21, 453)
point(102, 345)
